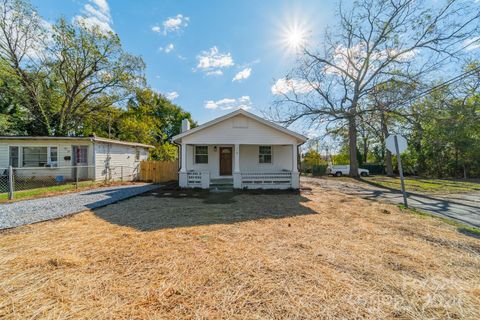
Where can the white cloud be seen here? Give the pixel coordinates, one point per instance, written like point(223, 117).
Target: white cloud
point(243, 102)
point(212, 61)
point(352, 58)
point(172, 95)
point(215, 73)
point(244, 74)
point(156, 29)
point(299, 86)
point(472, 43)
point(168, 48)
point(95, 13)
point(175, 24)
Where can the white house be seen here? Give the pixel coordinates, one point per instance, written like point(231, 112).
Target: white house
point(240, 149)
point(93, 158)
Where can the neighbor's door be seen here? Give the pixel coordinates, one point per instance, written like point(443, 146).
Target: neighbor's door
point(81, 161)
point(225, 161)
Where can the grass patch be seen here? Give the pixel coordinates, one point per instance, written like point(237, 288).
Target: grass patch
point(193, 254)
point(461, 227)
point(52, 190)
point(424, 185)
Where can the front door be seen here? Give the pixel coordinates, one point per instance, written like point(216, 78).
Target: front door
point(225, 161)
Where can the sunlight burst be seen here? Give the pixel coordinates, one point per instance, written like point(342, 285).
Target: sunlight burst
point(295, 38)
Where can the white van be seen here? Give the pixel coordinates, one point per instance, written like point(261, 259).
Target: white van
point(341, 170)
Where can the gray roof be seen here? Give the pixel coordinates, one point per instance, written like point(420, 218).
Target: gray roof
point(92, 138)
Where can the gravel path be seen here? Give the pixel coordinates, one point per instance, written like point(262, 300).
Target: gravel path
point(29, 211)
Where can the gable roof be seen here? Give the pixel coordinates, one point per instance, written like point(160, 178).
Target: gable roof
point(247, 114)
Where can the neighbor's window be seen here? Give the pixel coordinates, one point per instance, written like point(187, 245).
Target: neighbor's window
point(53, 161)
point(201, 154)
point(265, 154)
point(35, 156)
point(137, 154)
point(82, 155)
point(13, 157)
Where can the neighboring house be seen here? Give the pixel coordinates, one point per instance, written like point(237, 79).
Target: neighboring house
point(93, 158)
point(239, 149)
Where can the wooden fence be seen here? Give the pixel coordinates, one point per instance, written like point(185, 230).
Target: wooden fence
point(158, 171)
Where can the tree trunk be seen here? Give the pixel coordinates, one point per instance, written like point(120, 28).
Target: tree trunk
point(365, 150)
point(352, 144)
point(388, 154)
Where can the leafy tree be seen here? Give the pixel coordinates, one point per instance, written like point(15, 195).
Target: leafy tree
point(66, 72)
point(312, 157)
point(151, 118)
point(13, 118)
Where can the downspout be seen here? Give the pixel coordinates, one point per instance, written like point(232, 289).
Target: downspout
point(178, 152)
point(299, 165)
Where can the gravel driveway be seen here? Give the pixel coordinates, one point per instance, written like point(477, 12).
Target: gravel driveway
point(29, 211)
point(463, 207)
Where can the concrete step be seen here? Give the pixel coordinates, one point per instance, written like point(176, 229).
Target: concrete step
point(221, 183)
point(221, 189)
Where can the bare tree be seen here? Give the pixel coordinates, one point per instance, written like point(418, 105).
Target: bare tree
point(375, 41)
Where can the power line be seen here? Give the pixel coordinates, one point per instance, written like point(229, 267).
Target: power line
point(444, 84)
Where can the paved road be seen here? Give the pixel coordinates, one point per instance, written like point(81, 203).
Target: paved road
point(463, 207)
point(30, 211)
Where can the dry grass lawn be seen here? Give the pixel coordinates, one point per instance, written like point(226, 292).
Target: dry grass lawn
point(171, 255)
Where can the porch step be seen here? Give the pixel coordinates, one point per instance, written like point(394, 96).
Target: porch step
point(221, 182)
point(221, 189)
point(221, 185)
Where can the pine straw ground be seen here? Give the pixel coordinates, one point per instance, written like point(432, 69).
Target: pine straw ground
point(250, 256)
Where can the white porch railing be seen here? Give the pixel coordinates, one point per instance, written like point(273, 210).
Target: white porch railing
point(265, 179)
point(198, 179)
point(194, 179)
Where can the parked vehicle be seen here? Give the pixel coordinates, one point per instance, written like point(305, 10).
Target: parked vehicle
point(341, 170)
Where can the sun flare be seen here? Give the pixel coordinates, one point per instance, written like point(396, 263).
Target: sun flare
point(294, 37)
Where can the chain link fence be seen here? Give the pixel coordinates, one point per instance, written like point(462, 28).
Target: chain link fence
point(27, 178)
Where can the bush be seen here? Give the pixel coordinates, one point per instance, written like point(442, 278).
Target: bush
point(374, 168)
point(319, 170)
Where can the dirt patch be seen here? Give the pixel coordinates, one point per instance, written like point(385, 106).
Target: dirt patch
point(192, 254)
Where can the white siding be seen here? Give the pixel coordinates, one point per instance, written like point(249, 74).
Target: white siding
point(239, 129)
point(213, 165)
point(281, 159)
point(64, 150)
point(122, 160)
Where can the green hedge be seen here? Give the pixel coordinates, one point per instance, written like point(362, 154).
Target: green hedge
point(319, 170)
point(374, 168)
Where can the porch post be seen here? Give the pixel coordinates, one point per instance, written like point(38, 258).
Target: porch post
point(182, 175)
point(295, 174)
point(184, 158)
point(237, 176)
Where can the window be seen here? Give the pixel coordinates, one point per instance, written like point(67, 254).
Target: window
point(82, 153)
point(35, 156)
point(137, 154)
point(13, 157)
point(53, 161)
point(265, 154)
point(201, 154)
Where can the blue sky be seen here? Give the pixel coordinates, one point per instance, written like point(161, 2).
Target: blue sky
point(195, 49)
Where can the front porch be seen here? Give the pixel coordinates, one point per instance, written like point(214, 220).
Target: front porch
point(238, 166)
